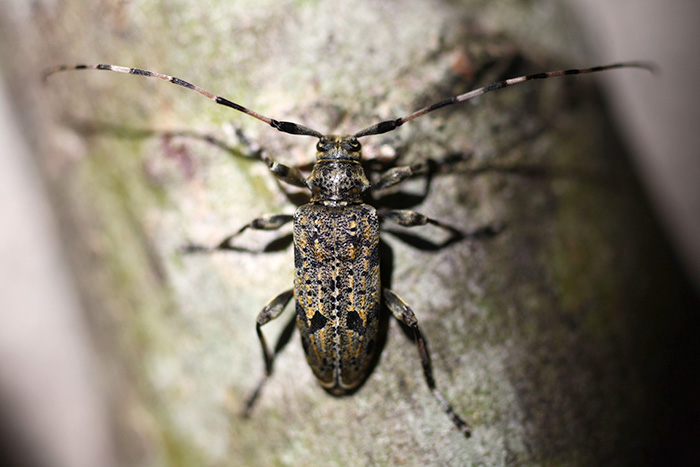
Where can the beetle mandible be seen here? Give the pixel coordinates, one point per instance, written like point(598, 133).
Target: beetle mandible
point(337, 286)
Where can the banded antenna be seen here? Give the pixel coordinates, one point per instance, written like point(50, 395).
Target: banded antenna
point(376, 129)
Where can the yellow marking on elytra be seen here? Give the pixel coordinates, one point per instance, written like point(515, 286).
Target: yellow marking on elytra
point(367, 231)
point(301, 240)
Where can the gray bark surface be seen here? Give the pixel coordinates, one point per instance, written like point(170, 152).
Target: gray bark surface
point(551, 338)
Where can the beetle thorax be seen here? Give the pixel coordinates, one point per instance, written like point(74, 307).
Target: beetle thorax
point(338, 176)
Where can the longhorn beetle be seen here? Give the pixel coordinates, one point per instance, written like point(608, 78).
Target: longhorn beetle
point(336, 244)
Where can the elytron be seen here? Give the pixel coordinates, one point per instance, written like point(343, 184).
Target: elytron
point(337, 288)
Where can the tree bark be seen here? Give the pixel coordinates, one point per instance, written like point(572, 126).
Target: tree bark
point(551, 338)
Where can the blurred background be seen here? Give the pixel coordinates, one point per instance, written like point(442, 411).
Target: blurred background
point(59, 402)
point(659, 117)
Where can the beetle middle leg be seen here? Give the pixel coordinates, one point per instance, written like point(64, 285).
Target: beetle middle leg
point(408, 218)
point(271, 222)
point(403, 313)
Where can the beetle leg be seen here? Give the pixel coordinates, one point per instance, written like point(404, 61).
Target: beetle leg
point(270, 311)
point(396, 175)
point(408, 218)
point(405, 315)
point(271, 222)
point(285, 173)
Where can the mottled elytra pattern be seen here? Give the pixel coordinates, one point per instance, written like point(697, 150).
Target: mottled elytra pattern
point(336, 245)
point(337, 290)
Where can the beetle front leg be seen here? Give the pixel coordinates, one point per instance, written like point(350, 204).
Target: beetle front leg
point(285, 173)
point(396, 175)
point(270, 311)
point(290, 175)
point(405, 315)
point(271, 222)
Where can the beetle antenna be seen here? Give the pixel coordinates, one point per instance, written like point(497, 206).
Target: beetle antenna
point(390, 125)
point(285, 127)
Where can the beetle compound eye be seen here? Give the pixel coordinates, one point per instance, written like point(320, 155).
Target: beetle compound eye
point(353, 145)
point(323, 145)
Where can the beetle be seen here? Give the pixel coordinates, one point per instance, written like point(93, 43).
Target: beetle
point(337, 286)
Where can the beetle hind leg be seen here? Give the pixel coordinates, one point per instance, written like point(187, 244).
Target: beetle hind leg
point(405, 315)
point(270, 311)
